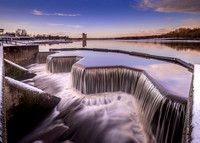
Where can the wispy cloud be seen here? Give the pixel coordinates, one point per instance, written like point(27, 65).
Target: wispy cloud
point(187, 6)
point(53, 24)
point(37, 12)
point(72, 26)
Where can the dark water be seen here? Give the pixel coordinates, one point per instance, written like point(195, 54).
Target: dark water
point(180, 49)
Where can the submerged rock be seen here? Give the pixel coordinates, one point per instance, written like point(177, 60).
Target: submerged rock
point(26, 106)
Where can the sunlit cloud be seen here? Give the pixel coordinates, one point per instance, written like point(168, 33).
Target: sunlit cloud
point(187, 6)
point(74, 26)
point(37, 12)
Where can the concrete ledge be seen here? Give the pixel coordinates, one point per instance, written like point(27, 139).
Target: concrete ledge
point(21, 55)
point(26, 106)
point(195, 134)
point(17, 72)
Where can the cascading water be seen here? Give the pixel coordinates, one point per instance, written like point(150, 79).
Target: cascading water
point(101, 118)
point(61, 64)
point(42, 56)
point(113, 104)
point(163, 118)
point(99, 80)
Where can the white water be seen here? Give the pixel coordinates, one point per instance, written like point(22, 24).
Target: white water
point(196, 106)
point(106, 117)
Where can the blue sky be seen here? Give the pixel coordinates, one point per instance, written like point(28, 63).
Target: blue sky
point(98, 18)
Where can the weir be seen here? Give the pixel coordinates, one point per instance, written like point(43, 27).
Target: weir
point(163, 118)
point(42, 56)
point(162, 113)
point(61, 64)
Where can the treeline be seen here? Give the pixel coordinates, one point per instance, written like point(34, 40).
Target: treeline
point(139, 37)
point(181, 33)
point(49, 37)
point(184, 33)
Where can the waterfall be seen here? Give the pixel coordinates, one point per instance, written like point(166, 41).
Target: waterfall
point(42, 56)
point(98, 118)
point(60, 64)
point(163, 118)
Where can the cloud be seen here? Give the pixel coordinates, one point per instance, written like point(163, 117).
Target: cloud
point(52, 24)
point(72, 26)
point(187, 6)
point(37, 12)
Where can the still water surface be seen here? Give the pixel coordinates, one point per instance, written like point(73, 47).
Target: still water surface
point(187, 51)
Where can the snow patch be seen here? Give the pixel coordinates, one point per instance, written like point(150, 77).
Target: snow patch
point(196, 106)
point(25, 86)
point(1, 85)
point(15, 65)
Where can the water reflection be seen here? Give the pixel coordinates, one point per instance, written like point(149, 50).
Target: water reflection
point(174, 78)
point(184, 50)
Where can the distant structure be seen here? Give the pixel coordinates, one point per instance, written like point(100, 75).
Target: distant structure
point(84, 38)
point(1, 31)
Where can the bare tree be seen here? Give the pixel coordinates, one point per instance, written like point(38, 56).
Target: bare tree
point(18, 32)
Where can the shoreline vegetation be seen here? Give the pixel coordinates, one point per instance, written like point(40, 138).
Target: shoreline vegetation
point(178, 34)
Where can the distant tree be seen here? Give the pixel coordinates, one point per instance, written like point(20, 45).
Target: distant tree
point(18, 32)
point(24, 32)
point(21, 32)
point(184, 33)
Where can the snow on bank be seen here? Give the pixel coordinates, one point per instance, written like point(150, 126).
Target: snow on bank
point(15, 65)
point(1, 85)
point(1, 71)
point(23, 85)
point(196, 106)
